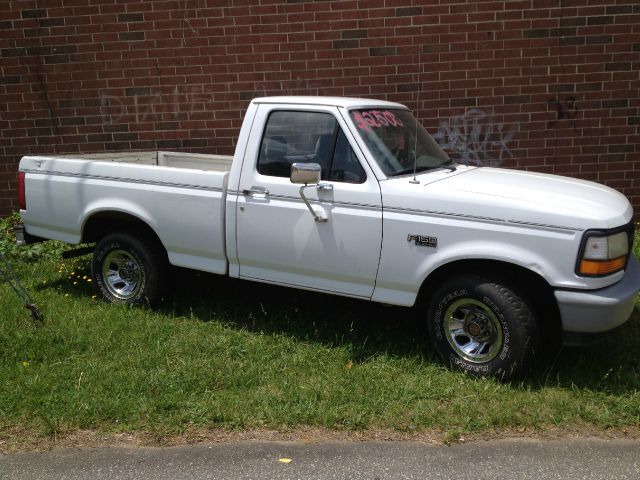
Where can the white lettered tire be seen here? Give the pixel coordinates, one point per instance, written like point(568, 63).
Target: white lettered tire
point(483, 326)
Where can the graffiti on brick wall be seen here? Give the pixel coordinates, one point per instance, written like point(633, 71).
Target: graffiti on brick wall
point(565, 110)
point(140, 104)
point(152, 104)
point(145, 104)
point(476, 137)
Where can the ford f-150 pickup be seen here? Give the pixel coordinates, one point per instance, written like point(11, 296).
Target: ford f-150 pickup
point(353, 197)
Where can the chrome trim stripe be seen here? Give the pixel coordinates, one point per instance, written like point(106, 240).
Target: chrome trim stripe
point(126, 180)
point(332, 202)
point(478, 218)
point(321, 201)
point(543, 225)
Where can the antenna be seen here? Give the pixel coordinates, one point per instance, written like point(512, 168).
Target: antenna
point(415, 136)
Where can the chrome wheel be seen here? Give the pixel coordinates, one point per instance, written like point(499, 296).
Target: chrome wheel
point(473, 330)
point(122, 274)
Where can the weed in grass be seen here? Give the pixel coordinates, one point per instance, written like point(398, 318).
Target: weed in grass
point(452, 436)
point(31, 253)
point(51, 428)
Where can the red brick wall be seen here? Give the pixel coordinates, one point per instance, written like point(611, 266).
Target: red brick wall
point(547, 85)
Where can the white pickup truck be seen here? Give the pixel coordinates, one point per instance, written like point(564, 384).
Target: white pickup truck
point(353, 197)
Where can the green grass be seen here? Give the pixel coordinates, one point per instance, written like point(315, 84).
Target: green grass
point(234, 355)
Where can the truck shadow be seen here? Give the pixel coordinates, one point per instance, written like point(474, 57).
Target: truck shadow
point(368, 329)
point(364, 327)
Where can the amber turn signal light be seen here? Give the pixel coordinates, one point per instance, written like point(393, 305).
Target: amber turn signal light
point(602, 267)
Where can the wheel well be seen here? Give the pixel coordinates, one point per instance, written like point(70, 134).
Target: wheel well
point(101, 224)
point(532, 286)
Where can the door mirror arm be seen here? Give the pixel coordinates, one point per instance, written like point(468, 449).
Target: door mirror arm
point(309, 175)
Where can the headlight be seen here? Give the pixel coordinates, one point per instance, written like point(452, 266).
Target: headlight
point(604, 255)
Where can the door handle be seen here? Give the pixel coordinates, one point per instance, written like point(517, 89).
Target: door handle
point(255, 192)
point(325, 187)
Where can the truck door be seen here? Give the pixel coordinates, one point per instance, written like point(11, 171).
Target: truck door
point(278, 240)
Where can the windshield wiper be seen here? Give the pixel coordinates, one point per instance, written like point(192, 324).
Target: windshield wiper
point(410, 170)
point(449, 165)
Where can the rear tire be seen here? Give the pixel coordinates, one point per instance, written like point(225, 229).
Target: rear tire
point(483, 327)
point(129, 268)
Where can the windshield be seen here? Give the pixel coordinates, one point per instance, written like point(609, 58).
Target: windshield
point(397, 141)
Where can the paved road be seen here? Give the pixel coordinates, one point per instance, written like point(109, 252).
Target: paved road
point(506, 459)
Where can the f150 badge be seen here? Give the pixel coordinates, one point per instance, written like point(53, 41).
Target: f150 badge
point(423, 241)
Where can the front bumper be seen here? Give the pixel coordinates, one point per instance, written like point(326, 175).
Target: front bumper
point(597, 311)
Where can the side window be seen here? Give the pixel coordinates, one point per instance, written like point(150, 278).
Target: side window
point(296, 137)
point(308, 137)
point(346, 166)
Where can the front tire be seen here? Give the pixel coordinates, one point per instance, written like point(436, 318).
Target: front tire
point(129, 269)
point(483, 327)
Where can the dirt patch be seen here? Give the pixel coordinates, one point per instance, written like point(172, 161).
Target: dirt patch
point(14, 440)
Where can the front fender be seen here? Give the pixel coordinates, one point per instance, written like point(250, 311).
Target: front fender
point(500, 252)
point(404, 266)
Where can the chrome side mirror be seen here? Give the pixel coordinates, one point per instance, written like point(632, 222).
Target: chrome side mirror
point(307, 173)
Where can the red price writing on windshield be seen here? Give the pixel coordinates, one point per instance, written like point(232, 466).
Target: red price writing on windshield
point(376, 119)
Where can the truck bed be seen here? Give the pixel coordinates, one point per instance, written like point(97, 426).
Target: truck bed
point(181, 196)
